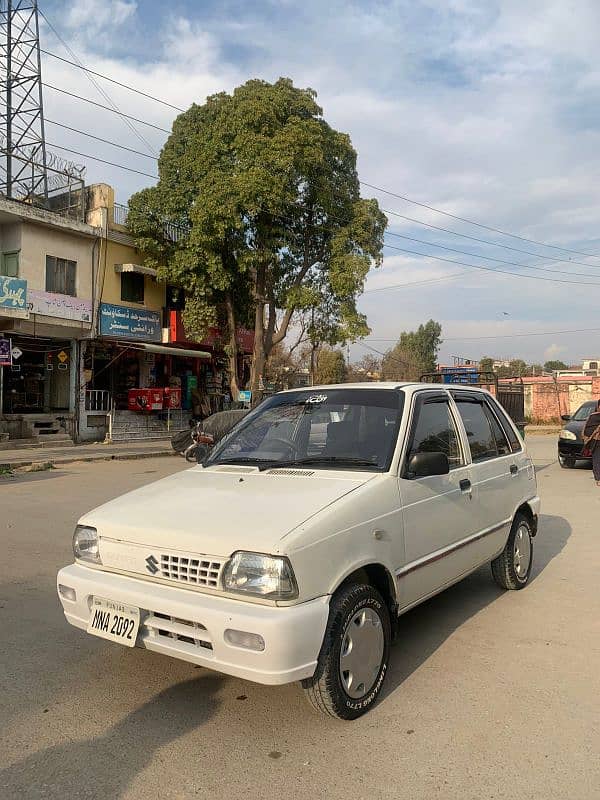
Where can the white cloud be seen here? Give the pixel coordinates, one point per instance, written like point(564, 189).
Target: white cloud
point(92, 15)
point(554, 351)
point(484, 109)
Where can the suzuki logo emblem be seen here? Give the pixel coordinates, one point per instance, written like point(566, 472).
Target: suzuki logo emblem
point(152, 564)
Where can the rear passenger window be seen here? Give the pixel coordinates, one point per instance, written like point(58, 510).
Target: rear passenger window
point(435, 432)
point(502, 444)
point(479, 430)
point(515, 444)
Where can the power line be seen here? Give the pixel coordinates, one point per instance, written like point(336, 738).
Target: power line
point(498, 260)
point(418, 283)
point(502, 335)
point(111, 80)
point(106, 108)
point(80, 65)
point(477, 224)
point(460, 263)
point(485, 241)
point(100, 139)
point(97, 86)
point(104, 161)
point(490, 269)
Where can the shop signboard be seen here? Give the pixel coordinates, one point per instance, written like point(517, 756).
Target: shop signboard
point(13, 293)
point(5, 353)
point(244, 396)
point(130, 323)
point(59, 305)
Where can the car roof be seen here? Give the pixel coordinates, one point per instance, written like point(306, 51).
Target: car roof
point(390, 385)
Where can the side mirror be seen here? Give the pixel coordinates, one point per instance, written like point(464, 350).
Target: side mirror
point(421, 465)
point(565, 417)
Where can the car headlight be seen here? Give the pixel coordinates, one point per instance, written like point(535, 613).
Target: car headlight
point(565, 434)
point(85, 544)
point(271, 577)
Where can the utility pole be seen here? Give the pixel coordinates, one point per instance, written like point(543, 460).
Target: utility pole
point(23, 162)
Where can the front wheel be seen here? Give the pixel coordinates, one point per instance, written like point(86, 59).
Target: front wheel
point(566, 462)
point(512, 568)
point(354, 656)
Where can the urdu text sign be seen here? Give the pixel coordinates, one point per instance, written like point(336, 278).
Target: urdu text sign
point(130, 323)
point(13, 293)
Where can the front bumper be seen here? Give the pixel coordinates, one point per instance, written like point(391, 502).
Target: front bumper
point(567, 448)
point(191, 625)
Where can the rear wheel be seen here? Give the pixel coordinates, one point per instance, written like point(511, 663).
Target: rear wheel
point(566, 462)
point(354, 656)
point(512, 568)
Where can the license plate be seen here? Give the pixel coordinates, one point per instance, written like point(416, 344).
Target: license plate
point(114, 621)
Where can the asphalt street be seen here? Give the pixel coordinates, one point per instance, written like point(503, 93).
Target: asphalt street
point(491, 694)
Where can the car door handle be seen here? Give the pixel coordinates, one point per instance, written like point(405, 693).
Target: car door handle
point(465, 485)
point(514, 470)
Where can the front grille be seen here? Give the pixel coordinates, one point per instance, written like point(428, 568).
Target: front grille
point(190, 569)
point(166, 629)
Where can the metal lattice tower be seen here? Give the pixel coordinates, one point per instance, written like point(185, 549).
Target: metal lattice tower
point(23, 163)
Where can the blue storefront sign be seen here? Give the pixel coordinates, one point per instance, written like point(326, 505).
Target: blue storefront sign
point(244, 396)
point(13, 293)
point(130, 323)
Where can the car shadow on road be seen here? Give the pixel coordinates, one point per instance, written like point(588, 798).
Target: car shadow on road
point(425, 629)
point(102, 767)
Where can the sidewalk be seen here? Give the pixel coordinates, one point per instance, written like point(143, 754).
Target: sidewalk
point(541, 430)
point(94, 451)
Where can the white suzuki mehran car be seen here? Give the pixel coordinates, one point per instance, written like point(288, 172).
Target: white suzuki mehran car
point(319, 519)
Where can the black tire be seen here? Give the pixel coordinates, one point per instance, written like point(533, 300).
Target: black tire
point(566, 462)
point(325, 690)
point(504, 569)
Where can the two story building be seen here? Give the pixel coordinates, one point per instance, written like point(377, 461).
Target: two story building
point(48, 265)
point(84, 326)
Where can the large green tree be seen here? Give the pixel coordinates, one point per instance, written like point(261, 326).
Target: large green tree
point(265, 196)
point(414, 354)
point(551, 366)
point(330, 366)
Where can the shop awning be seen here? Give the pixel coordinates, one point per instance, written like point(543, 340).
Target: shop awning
point(166, 350)
point(141, 270)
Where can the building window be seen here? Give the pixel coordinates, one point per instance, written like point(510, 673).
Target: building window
point(60, 275)
point(10, 264)
point(132, 287)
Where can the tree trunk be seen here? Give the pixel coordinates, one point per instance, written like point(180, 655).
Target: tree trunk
point(232, 354)
point(258, 354)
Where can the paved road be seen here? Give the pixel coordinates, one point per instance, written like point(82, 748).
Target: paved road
point(490, 695)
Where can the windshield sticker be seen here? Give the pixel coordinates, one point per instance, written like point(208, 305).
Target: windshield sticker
point(316, 398)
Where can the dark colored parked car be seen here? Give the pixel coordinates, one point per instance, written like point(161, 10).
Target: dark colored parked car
point(570, 439)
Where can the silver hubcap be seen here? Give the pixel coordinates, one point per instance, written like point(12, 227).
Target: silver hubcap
point(361, 653)
point(522, 551)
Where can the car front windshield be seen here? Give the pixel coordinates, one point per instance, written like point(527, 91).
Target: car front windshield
point(584, 412)
point(320, 428)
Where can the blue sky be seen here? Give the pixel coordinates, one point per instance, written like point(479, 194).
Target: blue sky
point(487, 110)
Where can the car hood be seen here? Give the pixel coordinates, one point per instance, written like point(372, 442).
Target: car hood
point(575, 427)
point(216, 511)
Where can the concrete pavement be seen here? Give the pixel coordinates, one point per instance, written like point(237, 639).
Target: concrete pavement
point(490, 694)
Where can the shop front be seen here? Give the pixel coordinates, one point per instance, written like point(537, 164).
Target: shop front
point(40, 334)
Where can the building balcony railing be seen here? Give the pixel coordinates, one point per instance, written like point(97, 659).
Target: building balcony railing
point(121, 212)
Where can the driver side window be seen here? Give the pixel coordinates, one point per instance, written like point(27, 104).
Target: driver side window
point(434, 431)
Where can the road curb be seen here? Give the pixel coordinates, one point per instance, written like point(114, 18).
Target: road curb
point(59, 461)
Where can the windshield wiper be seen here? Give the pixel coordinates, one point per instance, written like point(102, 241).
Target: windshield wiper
point(316, 460)
point(244, 460)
